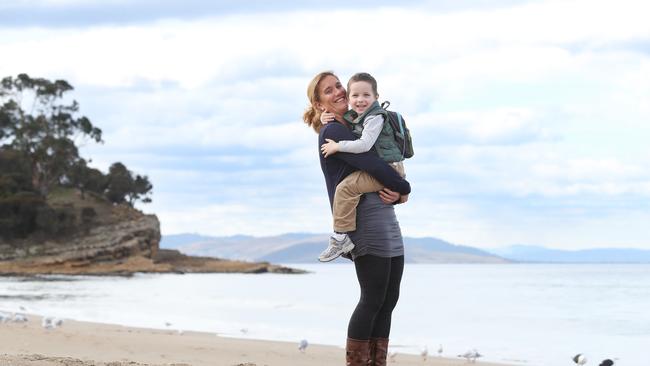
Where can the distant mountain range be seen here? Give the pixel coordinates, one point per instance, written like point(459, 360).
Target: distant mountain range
point(536, 254)
point(304, 248)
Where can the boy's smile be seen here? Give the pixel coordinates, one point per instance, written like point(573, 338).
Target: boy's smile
point(361, 96)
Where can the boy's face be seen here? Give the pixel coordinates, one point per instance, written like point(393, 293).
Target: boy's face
point(361, 96)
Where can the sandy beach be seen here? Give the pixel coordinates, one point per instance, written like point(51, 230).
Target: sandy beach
point(84, 344)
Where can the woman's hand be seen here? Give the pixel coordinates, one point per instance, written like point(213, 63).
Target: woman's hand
point(326, 117)
point(329, 148)
point(389, 197)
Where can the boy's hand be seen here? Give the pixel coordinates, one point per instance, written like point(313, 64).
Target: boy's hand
point(329, 148)
point(326, 117)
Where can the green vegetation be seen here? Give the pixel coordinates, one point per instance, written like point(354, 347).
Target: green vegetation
point(41, 172)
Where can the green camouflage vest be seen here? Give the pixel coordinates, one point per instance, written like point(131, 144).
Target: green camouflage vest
point(385, 146)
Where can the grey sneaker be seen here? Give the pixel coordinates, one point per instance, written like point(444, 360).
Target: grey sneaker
point(336, 248)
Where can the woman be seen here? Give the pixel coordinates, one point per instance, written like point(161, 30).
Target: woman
point(379, 252)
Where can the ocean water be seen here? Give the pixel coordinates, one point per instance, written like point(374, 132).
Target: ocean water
point(531, 314)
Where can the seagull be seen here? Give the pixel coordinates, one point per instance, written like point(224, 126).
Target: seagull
point(424, 353)
point(4, 317)
point(244, 331)
point(303, 345)
point(20, 318)
point(471, 356)
point(580, 359)
point(51, 322)
point(440, 351)
point(607, 362)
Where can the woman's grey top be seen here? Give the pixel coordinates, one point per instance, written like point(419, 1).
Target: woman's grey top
point(378, 232)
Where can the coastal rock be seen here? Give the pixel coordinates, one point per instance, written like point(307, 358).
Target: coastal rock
point(137, 236)
point(122, 246)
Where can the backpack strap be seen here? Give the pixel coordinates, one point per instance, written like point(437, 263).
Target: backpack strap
point(400, 122)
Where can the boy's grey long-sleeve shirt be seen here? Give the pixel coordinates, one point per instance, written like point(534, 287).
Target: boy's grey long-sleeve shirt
point(372, 127)
point(338, 166)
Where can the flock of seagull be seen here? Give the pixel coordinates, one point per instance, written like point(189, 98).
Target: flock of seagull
point(472, 355)
point(48, 322)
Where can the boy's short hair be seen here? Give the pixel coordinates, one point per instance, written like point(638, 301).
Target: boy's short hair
point(364, 76)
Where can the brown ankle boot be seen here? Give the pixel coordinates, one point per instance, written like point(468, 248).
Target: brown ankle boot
point(378, 351)
point(356, 352)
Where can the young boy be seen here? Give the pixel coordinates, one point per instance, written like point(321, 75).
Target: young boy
point(366, 117)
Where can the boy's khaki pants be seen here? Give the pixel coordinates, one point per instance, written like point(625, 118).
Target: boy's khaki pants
point(347, 196)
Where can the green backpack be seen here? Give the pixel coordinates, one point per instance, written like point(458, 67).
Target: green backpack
point(401, 133)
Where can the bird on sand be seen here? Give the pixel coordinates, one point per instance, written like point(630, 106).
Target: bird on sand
point(19, 318)
point(580, 359)
point(4, 317)
point(51, 322)
point(303, 345)
point(440, 351)
point(471, 355)
point(607, 362)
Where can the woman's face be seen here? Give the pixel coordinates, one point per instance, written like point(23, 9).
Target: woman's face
point(332, 96)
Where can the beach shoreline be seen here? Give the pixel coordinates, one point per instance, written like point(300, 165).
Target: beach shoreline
point(77, 343)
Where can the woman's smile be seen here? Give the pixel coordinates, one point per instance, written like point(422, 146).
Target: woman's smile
point(333, 97)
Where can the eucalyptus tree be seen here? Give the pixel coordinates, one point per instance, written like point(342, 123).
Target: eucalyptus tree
point(38, 119)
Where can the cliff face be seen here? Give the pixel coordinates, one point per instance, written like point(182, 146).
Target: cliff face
point(121, 241)
point(137, 236)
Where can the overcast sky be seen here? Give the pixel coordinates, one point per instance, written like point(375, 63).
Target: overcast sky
point(530, 118)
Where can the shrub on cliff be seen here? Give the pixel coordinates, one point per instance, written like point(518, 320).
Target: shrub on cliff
point(87, 179)
point(123, 186)
point(15, 172)
point(56, 221)
point(18, 214)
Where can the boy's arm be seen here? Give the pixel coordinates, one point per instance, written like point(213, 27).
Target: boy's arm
point(368, 161)
point(371, 129)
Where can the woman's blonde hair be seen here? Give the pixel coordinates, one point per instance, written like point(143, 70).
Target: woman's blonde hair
point(312, 114)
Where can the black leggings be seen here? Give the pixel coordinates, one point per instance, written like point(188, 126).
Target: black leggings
point(379, 279)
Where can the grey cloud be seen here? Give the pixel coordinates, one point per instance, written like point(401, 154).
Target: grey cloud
point(637, 46)
point(91, 13)
point(641, 46)
point(101, 13)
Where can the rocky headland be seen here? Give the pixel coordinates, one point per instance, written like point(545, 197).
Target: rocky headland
point(116, 240)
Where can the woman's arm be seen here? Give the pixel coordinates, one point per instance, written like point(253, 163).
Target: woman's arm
point(368, 161)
